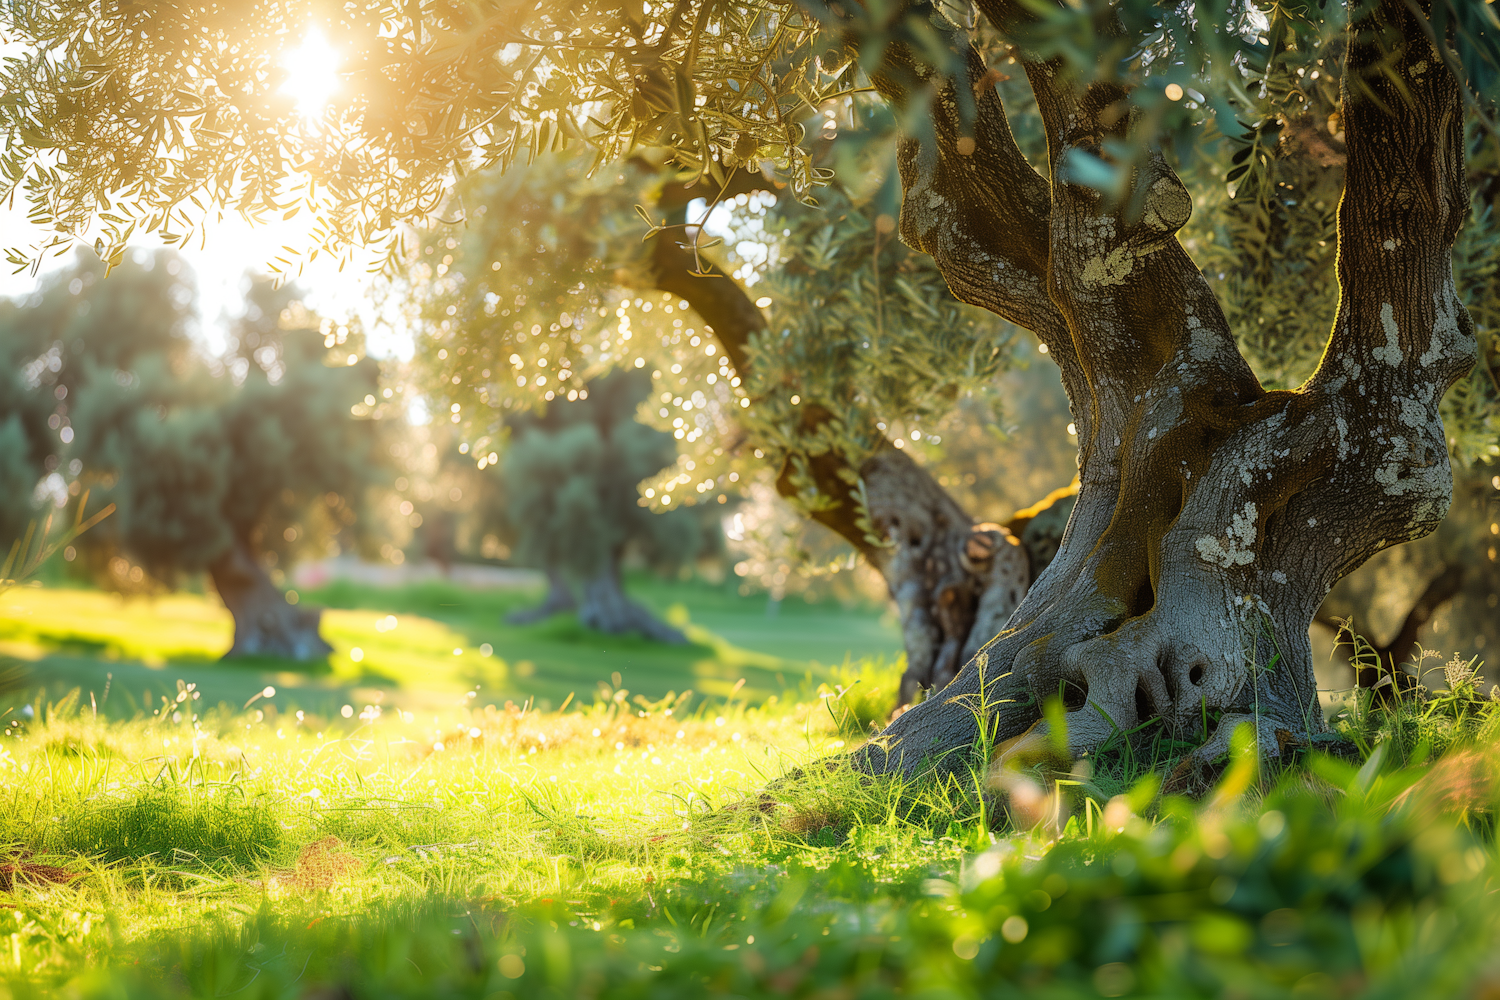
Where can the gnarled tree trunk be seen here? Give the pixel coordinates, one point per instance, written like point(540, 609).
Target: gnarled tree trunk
point(605, 608)
point(1212, 516)
point(264, 623)
point(955, 583)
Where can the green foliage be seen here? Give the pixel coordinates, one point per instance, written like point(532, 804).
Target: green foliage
point(264, 453)
point(439, 87)
point(127, 125)
point(632, 846)
point(860, 327)
point(430, 92)
point(76, 329)
point(83, 637)
point(520, 291)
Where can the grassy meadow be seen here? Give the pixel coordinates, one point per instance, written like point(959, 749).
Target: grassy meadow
point(215, 838)
point(425, 642)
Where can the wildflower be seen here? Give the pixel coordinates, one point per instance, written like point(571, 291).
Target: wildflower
point(1457, 673)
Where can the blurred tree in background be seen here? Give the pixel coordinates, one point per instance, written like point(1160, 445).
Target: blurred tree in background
point(571, 474)
point(77, 329)
point(228, 466)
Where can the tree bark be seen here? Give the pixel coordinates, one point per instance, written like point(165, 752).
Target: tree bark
point(264, 623)
point(559, 599)
point(955, 583)
point(605, 608)
point(1212, 516)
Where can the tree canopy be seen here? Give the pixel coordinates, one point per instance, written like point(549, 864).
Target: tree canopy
point(153, 117)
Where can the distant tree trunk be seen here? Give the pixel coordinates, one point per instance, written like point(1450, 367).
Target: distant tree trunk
point(1439, 590)
point(1213, 516)
point(559, 599)
point(605, 608)
point(264, 623)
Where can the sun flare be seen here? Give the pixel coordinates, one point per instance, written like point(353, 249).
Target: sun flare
point(312, 69)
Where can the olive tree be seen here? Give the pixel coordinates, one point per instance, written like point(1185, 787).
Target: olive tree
point(222, 466)
point(1215, 507)
point(571, 476)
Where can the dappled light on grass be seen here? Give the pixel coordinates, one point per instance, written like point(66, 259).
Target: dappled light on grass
point(682, 846)
point(425, 638)
point(631, 849)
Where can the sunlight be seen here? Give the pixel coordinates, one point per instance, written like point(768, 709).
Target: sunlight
point(312, 71)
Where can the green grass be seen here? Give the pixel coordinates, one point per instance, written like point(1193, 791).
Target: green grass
point(60, 639)
point(688, 846)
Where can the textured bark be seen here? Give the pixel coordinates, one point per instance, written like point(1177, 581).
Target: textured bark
point(955, 583)
point(559, 599)
point(605, 608)
point(264, 623)
point(1212, 516)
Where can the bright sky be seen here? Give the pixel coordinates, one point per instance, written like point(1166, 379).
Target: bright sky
point(221, 254)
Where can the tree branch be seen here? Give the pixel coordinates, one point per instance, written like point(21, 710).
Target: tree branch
point(724, 305)
point(972, 200)
point(1406, 197)
point(954, 583)
point(1440, 589)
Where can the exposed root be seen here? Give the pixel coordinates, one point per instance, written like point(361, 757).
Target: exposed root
point(1200, 770)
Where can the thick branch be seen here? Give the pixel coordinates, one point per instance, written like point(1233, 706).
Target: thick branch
point(955, 584)
point(726, 308)
point(719, 299)
point(1439, 590)
point(972, 200)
